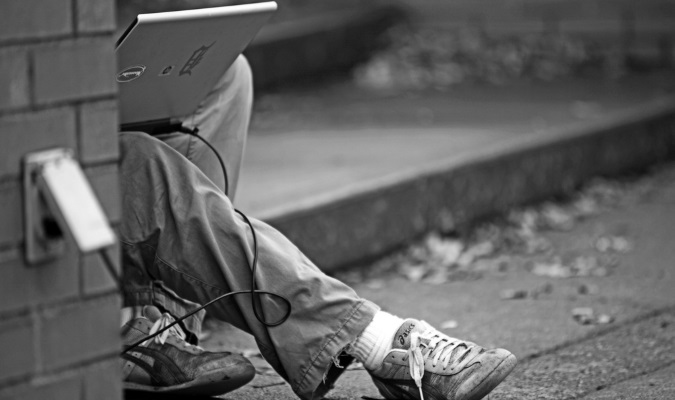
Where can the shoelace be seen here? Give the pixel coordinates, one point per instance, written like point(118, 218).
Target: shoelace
point(439, 345)
point(163, 321)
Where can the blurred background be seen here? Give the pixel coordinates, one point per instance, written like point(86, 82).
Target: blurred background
point(351, 94)
point(333, 67)
point(437, 44)
point(315, 57)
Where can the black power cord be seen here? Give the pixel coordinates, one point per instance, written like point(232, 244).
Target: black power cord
point(255, 293)
point(195, 132)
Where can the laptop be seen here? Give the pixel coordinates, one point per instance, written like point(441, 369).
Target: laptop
point(168, 62)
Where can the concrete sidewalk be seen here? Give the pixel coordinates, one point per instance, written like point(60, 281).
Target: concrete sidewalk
point(349, 173)
point(631, 355)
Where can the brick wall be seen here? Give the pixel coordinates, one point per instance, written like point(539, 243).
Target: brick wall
point(59, 321)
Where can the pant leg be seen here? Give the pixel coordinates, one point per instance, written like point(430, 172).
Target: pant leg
point(180, 229)
point(223, 119)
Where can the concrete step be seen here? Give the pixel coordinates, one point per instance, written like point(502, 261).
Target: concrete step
point(346, 194)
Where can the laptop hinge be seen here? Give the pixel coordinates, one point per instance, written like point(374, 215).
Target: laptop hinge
point(154, 127)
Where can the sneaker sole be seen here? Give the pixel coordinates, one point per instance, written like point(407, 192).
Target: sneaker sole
point(493, 379)
point(206, 385)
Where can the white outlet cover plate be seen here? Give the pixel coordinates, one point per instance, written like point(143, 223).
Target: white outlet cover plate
point(71, 198)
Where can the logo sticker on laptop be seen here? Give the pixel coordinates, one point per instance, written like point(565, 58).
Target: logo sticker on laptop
point(130, 73)
point(194, 60)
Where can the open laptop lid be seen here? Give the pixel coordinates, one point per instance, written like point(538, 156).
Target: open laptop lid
point(168, 62)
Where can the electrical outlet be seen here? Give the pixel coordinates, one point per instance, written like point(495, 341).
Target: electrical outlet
point(59, 204)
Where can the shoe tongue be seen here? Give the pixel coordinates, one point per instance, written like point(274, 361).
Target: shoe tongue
point(152, 313)
point(402, 337)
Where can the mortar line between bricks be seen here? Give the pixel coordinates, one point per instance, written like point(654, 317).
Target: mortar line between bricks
point(57, 104)
point(601, 332)
point(79, 365)
point(77, 111)
point(17, 313)
point(30, 55)
point(73, 18)
point(11, 383)
point(29, 310)
point(10, 248)
point(96, 295)
point(73, 301)
point(37, 348)
point(13, 251)
point(110, 162)
point(628, 378)
point(40, 41)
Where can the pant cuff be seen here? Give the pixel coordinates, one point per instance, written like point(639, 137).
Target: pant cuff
point(320, 377)
point(161, 296)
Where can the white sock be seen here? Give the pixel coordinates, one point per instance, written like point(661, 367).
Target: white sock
point(375, 341)
point(129, 313)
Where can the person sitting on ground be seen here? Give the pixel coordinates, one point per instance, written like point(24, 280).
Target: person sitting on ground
point(183, 244)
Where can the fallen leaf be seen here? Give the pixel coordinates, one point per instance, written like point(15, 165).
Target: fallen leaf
point(464, 275)
point(603, 244)
point(586, 316)
point(583, 315)
point(553, 269)
point(526, 219)
point(499, 264)
point(375, 284)
point(436, 276)
point(557, 218)
point(584, 265)
point(474, 252)
point(534, 244)
point(513, 294)
point(604, 319)
point(588, 289)
point(413, 273)
point(621, 244)
point(546, 288)
point(585, 206)
point(446, 251)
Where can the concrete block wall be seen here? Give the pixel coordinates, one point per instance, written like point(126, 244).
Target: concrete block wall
point(327, 42)
point(59, 321)
point(644, 28)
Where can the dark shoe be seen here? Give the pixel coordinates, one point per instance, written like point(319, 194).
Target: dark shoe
point(426, 364)
point(168, 364)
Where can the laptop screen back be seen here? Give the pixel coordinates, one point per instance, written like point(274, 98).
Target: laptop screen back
point(168, 62)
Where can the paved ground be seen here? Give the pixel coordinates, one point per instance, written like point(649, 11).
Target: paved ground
point(631, 357)
point(292, 156)
point(310, 143)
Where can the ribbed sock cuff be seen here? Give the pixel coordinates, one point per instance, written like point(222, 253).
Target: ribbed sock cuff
point(376, 340)
point(129, 313)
